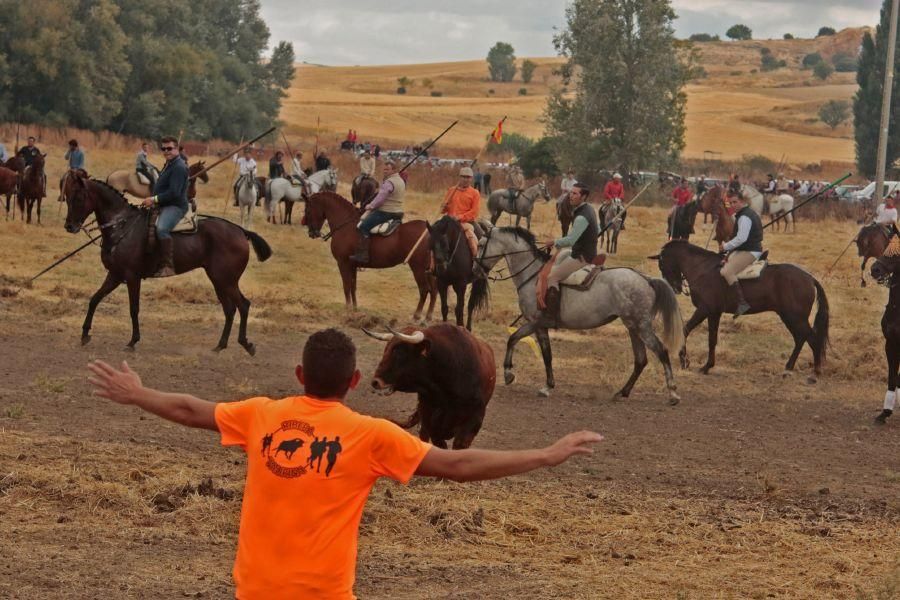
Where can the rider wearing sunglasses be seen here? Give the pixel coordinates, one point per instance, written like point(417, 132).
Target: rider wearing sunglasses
point(170, 196)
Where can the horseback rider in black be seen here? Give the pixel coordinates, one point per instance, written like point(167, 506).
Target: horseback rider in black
point(170, 196)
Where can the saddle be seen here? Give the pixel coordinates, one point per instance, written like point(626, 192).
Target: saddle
point(188, 223)
point(580, 281)
point(142, 178)
point(386, 229)
point(756, 269)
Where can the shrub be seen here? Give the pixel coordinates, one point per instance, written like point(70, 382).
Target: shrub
point(699, 73)
point(789, 36)
point(825, 31)
point(844, 62)
point(401, 90)
point(811, 60)
point(523, 91)
point(703, 37)
point(834, 112)
point(491, 91)
point(528, 67)
point(823, 70)
point(739, 32)
point(436, 94)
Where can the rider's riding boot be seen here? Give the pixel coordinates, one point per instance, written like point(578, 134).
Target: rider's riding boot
point(167, 264)
point(362, 251)
point(550, 314)
point(742, 302)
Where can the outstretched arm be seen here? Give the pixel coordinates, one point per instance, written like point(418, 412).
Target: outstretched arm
point(124, 387)
point(477, 465)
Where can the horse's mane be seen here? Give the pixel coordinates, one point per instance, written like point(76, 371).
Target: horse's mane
point(110, 189)
point(443, 225)
point(527, 237)
point(693, 249)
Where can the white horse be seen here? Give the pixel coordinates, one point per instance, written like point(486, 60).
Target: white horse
point(522, 206)
point(285, 190)
point(754, 198)
point(782, 204)
point(247, 195)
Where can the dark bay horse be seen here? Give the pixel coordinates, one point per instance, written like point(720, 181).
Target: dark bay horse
point(684, 218)
point(884, 270)
point(453, 267)
point(785, 289)
point(713, 198)
point(385, 252)
point(363, 191)
point(9, 183)
point(219, 247)
point(871, 241)
point(31, 188)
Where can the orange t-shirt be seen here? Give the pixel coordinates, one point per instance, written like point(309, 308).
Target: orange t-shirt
point(310, 466)
point(462, 204)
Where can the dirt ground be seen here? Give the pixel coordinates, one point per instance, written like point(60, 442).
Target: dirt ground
point(757, 485)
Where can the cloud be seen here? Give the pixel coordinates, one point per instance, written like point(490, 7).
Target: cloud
point(353, 32)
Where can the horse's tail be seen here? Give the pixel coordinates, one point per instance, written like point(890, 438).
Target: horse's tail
point(820, 323)
point(412, 421)
point(480, 298)
point(260, 246)
point(666, 304)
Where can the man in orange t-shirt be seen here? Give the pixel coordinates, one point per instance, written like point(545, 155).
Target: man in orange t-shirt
point(311, 463)
point(463, 203)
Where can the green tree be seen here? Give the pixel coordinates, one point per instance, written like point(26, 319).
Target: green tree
point(844, 62)
point(540, 159)
point(739, 32)
point(513, 144)
point(834, 112)
point(528, 67)
point(789, 36)
point(628, 108)
point(703, 37)
point(823, 31)
point(405, 81)
point(823, 70)
point(811, 60)
point(502, 62)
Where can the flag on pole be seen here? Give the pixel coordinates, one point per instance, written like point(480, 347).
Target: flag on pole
point(497, 134)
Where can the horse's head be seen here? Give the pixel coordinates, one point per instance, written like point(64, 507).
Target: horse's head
point(37, 163)
point(314, 215)
point(884, 270)
point(440, 244)
point(80, 202)
point(198, 169)
point(331, 179)
point(669, 265)
point(489, 251)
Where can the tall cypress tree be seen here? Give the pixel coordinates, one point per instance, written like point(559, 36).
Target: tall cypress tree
point(867, 103)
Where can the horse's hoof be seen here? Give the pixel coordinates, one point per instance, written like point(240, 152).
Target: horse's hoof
point(685, 362)
point(674, 398)
point(704, 370)
point(129, 348)
point(881, 419)
point(862, 284)
point(544, 392)
point(219, 348)
point(85, 339)
point(619, 396)
point(250, 348)
point(508, 377)
point(811, 380)
point(787, 374)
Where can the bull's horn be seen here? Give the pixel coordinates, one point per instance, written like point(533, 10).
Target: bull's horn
point(410, 338)
point(381, 337)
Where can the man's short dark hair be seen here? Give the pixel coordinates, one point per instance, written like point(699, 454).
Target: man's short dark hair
point(31, 138)
point(168, 138)
point(329, 361)
point(73, 142)
point(583, 189)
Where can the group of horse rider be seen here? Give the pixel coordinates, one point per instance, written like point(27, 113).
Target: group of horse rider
point(248, 170)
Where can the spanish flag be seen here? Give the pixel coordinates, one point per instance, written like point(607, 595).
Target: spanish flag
point(497, 134)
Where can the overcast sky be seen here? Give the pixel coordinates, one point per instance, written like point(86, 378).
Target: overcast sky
point(353, 32)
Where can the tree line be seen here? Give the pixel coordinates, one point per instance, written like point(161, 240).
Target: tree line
point(142, 67)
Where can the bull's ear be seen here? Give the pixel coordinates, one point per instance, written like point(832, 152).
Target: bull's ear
point(425, 347)
point(654, 257)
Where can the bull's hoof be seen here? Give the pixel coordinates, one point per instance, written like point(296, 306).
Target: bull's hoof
point(812, 380)
point(881, 419)
point(508, 377)
point(674, 398)
point(544, 392)
point(250, 348)
point(85, 340)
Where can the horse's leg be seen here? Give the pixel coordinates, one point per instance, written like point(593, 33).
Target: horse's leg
point(640, 361)
point(528, 222)
point(134, 305)
point(426, 286)
point(713, 324)
point(39, 201)
point(801, 332)
point(518, 220)
point(862, 272)
point(445, 309)
point(892, 354)
point(460, 289)
point(108, 285)
point(346, 270)
point(353, 274)
point(698, 317)
point(244, 311)
point(523, 331)
point(226, 296)
point(543, 339)
point(650, 339)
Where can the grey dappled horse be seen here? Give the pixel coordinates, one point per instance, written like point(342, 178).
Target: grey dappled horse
point(615, 293)
point(499, 201)
point(612, 224)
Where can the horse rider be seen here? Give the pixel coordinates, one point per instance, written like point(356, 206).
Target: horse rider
point(681, 196)
point(246, 168)
point(75, 156)
point(298, 175)
point(170, 197)
point(143, 166)
point(387, 205)
point(781, 184)
point(701, 186)
point(28, 154)
point(886, 213)
point(771, 186)
point(515, 180)
point(366, 166)
point(734, 185)
point(615, 190)
point(463, 203)
point(276, 171)
point(565, 186)
point(576, 250)
point(743, 250)
point(322, 162)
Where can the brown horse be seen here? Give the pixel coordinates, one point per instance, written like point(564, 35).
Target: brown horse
point(885, 271)
point(871, 241)
point(31, 188)
point(219, 247)
point(710, 201)
point(785, 289)
point(385, 252)
point(9, 183)
point(363, 191)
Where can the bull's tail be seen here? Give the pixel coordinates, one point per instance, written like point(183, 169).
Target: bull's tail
point(820, 339)
point(480, 298)
point(412, 421)
point(666, 304)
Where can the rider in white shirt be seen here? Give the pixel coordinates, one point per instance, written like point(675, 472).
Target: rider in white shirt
point(886, 213)
point(246, 168)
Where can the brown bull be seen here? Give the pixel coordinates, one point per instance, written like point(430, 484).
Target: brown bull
point(452, 372)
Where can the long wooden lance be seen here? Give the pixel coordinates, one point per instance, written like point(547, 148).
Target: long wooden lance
point(67, 257)
point(232, 153)
point(624, 208)
point(233, 169)
point(810, 199)
point(425, 149)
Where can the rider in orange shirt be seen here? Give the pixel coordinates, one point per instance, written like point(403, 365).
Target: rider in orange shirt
point(463, 202)
point(311, 463)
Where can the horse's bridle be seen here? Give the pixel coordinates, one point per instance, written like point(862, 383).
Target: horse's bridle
point(479, 260)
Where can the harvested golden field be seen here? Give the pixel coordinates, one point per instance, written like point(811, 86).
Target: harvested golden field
point(757, 485)
point(736, 110)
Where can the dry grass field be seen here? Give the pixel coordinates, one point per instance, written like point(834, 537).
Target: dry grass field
point(735, 111)
point(756, 486)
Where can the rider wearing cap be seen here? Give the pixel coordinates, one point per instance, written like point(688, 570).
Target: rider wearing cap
point(387, 205)
point(743, 250)
point(576, 250)
point(515, 180)
point(462, 202)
